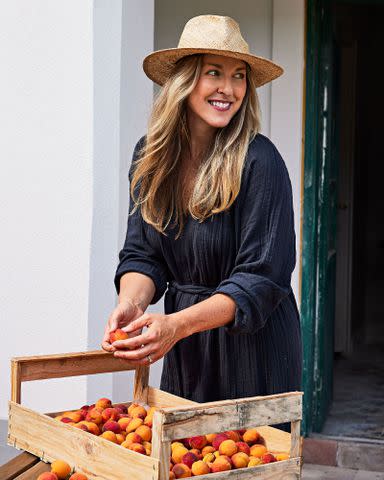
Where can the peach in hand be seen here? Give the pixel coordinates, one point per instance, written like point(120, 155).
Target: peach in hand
point(118, 334)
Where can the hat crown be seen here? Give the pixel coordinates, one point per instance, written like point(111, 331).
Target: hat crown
point(213, 32)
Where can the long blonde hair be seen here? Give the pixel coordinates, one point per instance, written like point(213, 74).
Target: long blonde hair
point(155, 184)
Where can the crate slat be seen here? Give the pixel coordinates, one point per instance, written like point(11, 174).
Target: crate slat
point(34, 472)
point(17, 465)
point(160, 399)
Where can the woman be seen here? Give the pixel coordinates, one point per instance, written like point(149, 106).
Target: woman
point(211, 216)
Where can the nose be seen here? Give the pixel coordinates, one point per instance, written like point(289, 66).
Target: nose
point(225, 87)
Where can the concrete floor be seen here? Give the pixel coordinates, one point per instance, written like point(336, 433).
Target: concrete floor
point(320, 472)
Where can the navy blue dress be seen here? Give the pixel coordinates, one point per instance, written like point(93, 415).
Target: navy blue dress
point(246, 252)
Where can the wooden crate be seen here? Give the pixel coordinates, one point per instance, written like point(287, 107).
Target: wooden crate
point(176, 418)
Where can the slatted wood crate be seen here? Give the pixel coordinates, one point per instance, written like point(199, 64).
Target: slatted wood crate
point(176, 418)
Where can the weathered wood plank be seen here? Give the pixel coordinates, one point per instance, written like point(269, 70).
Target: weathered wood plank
point(276, 440)
point(295, 439)
point(34, 471)
point(17, 466)
point(160, 450)
point(49, 439)
point(160, 399)
point(67, 365)
point(140, 390)
point(231, 415)
point(284, 470)
point(15, 382)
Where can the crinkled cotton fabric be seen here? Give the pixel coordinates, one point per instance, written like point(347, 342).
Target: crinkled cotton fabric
point(247, 253)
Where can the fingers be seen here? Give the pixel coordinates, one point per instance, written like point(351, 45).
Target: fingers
point(132, 343)
point(137, 324)
point(141, 356)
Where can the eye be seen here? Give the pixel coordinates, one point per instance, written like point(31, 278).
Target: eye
point(239, 75)
point(213, 73)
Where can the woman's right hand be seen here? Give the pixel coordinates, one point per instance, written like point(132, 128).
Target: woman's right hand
point(122, 315)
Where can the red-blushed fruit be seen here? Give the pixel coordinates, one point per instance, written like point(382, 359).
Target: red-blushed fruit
point(94, 416)
point(240, 460)
point(181, 470)
point(145, 433)
point(112, 426)
point(78, 476)
point(233, 435)
point(124, 422)
point(138, 412)
point(243, 447)
point(133, 437)
point(67, 420)
point(137, 447)
point(207, 449)
point(209, 458)
point(210, 437)
point(220, 437)
point(61, 468)
point(110, 413)
point(221, 464)
point(103, 403)
point(189, 458)
point(177, 454)
point(199, 442)
point(251, 436)
point(197, 452)
point(47, 476)
point(121, 408)
point(171, 476)
point(268, 458)
point(200, 468)
point(118, 334)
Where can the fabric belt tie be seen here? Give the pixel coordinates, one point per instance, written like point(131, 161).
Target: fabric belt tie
point(174, 287)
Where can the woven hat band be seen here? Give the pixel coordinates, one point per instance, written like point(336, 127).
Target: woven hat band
point(213, 32)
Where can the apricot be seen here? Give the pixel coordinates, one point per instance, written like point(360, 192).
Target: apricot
point(209, 458)
point(124, 422)
point(218, 440)
point(94, 416)
point(121, 408)
point(240, 460)
point(131, 407)
point(110, 414)
point(210, 437)
point(133, 437)
point(228, 447)
point(78, 476)
point(233, 435)
point(254, 462)
point(268, 458)
point(189, 458)
point(148, 420)
point(120, 438)
point(138, 412)
point(181, 471)
point(134, 424)
point(103, 403)
point(47, 476)
point(92, 427)
point(60, 468)
point(243, 447)
point(176, 444)
point(145, 432)
point(221, 464)
point(258, 450)
point(112, 426)
point(108, 435)
point(281, 456)
point(118, 334)
point(207, 449)
point(82, 426)
point(171, 476)
point(251, 436)
point(67, 420)
point(74, 416)
point(148, 447)
point(200, 468)
point(137, 447)
point(199, 441)
point(177, 454)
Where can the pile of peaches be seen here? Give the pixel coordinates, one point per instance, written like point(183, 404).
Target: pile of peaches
point(131, 427)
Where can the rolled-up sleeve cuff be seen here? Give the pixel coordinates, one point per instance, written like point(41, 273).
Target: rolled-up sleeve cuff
point(148, 269)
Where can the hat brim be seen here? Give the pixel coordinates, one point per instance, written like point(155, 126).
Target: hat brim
point(159, 65)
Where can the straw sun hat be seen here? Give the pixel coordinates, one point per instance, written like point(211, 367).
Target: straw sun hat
point(212, 34)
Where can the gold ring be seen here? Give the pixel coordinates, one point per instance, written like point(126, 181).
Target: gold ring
point(149, 358)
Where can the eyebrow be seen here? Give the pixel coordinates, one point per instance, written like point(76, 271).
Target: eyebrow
point(220, 66)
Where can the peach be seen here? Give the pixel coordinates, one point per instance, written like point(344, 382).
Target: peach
point(103, 403)
point(145, 432)
point(210, 437)
point(281, 456)
point(110, 414)
point(218, 440)
point(120, 438)
point(111, 426)
point(138, 412)
point(94, 416)
point(258, 450)
point(137, 447)
point(148, 420)
point(133, 437)
point(124, 422)
point(240, 460)
point(178, 453)
point(148, 447)
point(189, 458)
point(221, 464)
point(67, 420)
point(126, 444)
point(131, 407)
point(199, 441)
point(251, 436)
point(228, 447)
point(133, 424)
point(207, 449)
point(268, 458)
point(176, 444)
point(118, 334)
point(78, 476)
point(60, 468)
point(108, 435)
point(200, 468)
point(74, 416)
point(209, 458)
point(81, 426)
point(171, 476)
point(197, 452)
point(121, 408)
point(254, 462)
point(233, 435)
point(243, 447)
point(47, 476)
point(181, 470)
point(93, 428)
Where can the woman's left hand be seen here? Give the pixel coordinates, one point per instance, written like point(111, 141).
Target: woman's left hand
point(161, 335)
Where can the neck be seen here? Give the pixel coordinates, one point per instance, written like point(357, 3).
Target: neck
point(201, 136)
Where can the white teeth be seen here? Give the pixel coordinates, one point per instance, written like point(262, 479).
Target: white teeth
point(220, 104)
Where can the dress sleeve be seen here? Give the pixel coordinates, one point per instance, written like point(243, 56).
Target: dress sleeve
point(137, 254)
point(266, 255)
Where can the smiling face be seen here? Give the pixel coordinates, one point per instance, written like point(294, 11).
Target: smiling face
point(218, 94)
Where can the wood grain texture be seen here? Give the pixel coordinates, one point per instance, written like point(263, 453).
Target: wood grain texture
point(34, 471)
point(295, 439)
point(98, 458)
point(284, 470)
point(231, 415)
point(67, 365)
point(15, 381)
point(160, 449)
point(140, 390)
point(160, 399)
point(17, 466)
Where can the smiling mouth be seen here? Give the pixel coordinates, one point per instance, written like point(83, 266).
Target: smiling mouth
point(220, 106)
